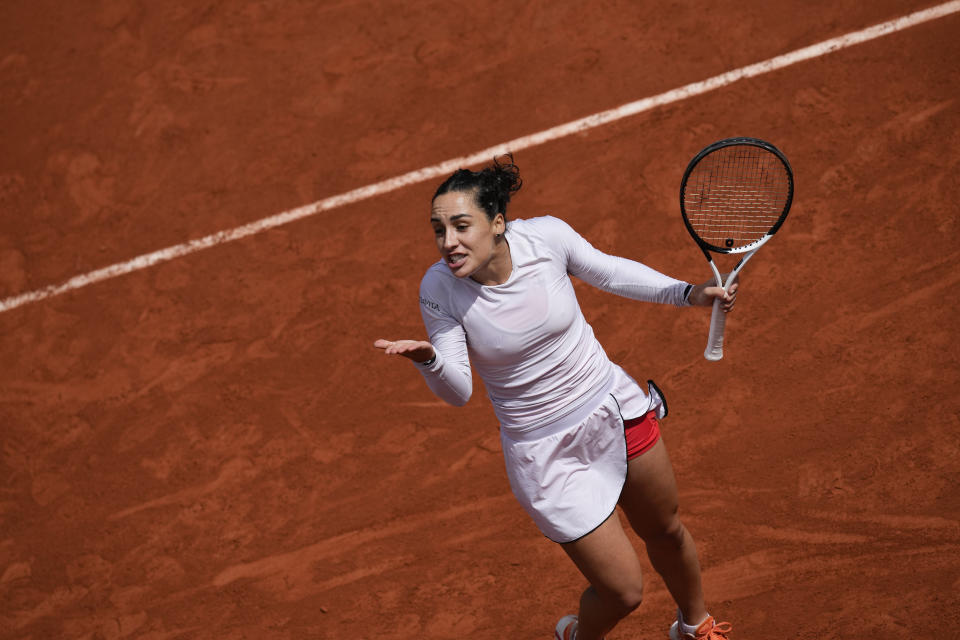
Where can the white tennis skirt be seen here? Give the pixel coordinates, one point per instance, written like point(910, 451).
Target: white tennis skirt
point(569, 479)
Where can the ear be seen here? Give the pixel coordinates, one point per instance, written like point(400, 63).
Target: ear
point(499, 224)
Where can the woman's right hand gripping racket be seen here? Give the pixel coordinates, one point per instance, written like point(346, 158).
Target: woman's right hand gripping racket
point(734, 196)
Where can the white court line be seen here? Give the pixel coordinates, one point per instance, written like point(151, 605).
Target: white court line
point(525, 142)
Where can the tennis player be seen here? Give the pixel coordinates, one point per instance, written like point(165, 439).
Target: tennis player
point(579, 435)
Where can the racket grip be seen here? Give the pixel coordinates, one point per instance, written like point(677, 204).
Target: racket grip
point(718, 320)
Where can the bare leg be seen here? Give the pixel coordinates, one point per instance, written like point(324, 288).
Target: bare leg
point(609, 562)
point(650, 502)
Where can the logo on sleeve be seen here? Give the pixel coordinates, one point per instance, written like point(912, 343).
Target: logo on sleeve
point(430, 304)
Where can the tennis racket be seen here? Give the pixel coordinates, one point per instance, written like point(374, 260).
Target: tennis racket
point(734, 196)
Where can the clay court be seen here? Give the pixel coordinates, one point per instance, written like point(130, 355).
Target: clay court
point(209, 447)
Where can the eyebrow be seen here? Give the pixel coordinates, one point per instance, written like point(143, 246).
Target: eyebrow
point(452, 218)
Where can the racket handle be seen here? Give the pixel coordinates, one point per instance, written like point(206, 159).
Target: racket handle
point(718, 320)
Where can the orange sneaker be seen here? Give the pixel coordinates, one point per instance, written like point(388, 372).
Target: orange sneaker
point(566, 628)
point(708, 630)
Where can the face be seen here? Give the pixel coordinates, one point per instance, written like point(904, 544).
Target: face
point(465, 236)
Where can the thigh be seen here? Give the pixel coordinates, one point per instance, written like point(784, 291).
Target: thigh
point(649, 497)
point(606, 558)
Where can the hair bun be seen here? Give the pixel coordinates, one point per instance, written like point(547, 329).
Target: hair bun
point(494, 185)
point(506, 175)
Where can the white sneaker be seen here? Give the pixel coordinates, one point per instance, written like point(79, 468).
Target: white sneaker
point(566, 628)
point(708, 630)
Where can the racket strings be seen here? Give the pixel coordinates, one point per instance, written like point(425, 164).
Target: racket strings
point(735, 195)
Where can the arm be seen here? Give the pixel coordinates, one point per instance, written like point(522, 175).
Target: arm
point(611, 273)
point(443, 361)
point(626, 277)
point(449, 375)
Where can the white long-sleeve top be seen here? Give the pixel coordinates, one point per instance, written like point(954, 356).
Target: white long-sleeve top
point(527, 337)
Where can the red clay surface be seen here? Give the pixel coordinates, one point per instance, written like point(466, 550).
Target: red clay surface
point(211, 448)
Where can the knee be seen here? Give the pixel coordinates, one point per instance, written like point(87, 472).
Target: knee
point(626, 599)
point(630, 600)
point(669, 532)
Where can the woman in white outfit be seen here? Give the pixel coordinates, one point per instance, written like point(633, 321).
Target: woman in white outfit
point(579, 435)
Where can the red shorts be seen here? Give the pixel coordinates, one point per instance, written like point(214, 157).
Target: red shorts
point(641, 433)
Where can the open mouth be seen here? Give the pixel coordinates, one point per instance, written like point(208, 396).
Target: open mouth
point(456, 260)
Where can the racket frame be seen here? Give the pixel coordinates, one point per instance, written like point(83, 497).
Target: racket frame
point(714, 349)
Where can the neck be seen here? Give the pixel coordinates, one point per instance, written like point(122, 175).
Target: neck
point(498, 270)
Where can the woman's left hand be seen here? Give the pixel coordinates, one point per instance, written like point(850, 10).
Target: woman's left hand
point(703, 295)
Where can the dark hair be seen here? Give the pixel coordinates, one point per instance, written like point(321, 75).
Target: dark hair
point(492, 186)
